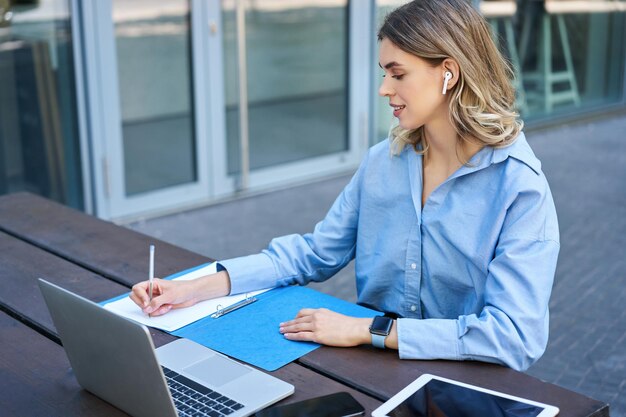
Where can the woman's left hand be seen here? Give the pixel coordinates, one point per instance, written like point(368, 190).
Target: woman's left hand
point(327, 328)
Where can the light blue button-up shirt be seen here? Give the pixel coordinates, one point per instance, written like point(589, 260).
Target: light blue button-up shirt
point(469, 274)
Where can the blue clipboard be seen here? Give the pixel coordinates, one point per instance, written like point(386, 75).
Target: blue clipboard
point(250, 334)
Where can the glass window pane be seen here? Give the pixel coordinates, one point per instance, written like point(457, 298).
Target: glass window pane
point(155, 83)
point(297, 88)
point(588, 51)
point(568, 56)
point(566, 60)
point(39, 143)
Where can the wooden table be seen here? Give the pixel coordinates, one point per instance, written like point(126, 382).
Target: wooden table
point(99, 260)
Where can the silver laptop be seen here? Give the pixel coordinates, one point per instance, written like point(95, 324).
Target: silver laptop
point(114, 358)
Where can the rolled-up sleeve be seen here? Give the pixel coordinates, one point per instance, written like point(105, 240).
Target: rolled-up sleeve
point(513, 326)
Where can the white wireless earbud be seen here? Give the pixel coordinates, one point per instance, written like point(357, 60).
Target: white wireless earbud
point(446, 77)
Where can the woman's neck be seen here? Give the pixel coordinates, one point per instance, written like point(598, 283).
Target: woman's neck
point(444, 148)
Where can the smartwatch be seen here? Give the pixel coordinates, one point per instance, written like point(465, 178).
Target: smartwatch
point(380, 329)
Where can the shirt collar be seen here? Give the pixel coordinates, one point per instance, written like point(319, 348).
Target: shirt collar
point(488, 155)
point(520, 150)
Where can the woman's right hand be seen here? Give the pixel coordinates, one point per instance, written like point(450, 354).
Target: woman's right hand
point(166, 295)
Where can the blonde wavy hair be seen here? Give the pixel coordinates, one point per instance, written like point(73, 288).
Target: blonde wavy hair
point(482, 102)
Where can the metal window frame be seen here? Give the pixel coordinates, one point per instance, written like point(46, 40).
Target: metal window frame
point(76, 22)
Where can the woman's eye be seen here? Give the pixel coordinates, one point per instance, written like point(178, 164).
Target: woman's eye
point(397, 77)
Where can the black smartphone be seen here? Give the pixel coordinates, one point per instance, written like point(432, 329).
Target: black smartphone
point(340, 404)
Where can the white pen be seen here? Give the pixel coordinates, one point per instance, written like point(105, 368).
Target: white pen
point(151, 273)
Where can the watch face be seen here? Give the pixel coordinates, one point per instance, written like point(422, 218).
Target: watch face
point(381, 325)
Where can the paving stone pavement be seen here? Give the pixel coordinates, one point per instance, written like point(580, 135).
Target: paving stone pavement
point(586, 166)
point(585, 163)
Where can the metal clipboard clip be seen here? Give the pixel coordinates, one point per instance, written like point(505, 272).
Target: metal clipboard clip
point(219, 311)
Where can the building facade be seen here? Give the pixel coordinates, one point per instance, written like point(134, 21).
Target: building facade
point(128, 108)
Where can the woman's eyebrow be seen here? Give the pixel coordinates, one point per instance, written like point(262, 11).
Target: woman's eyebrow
point(390, 65)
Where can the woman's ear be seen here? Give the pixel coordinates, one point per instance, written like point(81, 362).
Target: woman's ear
point(451, 66)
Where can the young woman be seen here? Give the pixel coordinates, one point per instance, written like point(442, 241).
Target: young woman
point(450, 219)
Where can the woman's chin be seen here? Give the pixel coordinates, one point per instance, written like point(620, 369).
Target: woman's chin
point(408, 125)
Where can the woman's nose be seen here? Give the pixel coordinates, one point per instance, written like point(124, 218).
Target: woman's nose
point(384, 90)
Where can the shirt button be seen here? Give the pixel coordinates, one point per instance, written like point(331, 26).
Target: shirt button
point(413, 266)
point(413, 307)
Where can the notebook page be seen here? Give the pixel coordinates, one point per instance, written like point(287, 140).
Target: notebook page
point(177, 318)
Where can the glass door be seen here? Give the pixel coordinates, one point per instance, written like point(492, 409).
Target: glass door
point(303, 110)
point(151, 120)
point(193, 100)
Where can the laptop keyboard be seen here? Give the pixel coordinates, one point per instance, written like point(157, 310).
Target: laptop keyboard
point(193, 399)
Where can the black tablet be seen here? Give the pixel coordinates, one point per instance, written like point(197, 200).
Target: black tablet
point(431, 395)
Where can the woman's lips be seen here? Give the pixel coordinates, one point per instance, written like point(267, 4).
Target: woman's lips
point(397, 109)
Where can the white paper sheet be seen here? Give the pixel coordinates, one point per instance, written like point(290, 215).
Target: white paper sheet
point(175, 319)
